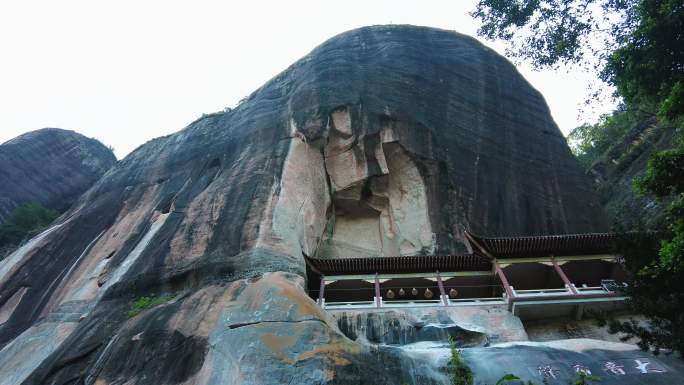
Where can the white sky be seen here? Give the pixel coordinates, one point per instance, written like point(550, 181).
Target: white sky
point(125, 72)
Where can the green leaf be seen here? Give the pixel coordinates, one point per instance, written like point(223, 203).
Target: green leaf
point(506, 378)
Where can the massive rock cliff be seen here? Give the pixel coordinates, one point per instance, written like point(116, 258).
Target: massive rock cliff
point(51, 166)
point(383, 140)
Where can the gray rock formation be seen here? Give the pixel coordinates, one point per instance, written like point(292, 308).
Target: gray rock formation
point(383, 140)
point(627, 158)
point(51, 166)
point(558, 362)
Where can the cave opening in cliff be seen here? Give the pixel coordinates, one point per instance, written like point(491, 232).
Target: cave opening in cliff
point(383, 213)
point(356, 228)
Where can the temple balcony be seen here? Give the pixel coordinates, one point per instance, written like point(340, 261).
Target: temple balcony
point(533, 277)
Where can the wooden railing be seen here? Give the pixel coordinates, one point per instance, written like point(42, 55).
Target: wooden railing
point(539, 294)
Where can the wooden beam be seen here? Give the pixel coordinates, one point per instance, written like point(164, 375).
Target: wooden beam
point(569, 258)
point(371, 277)
point(564, 277)
point(472, 241)
point(442, 293)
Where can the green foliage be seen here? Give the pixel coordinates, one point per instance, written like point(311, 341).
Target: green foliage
point(545, 32)
point(590, 141)
point(656, 290)
point(26, 220)
point(585, 379)
point(673, 105)
point(635, 45)
point(459, 372)
point(506, 378)
point(146, 302)
point(647, 64)
point(664, 175)
point(550, 32)
point(618, 138)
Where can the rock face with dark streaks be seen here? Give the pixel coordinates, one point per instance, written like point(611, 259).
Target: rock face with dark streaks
point(51, 166)
point(383, 140)
point(624, 161)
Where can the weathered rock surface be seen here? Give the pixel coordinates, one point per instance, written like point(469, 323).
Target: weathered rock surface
point(627, 159)
point(557, 362)
point(383, 140)
point(469, 326)
point(51, 166)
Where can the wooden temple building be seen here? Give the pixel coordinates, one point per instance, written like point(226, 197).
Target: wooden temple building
point(534, 277)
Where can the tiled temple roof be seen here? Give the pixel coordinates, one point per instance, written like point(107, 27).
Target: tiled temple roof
point(398, 264)
point(544, 245)
point(484, 248)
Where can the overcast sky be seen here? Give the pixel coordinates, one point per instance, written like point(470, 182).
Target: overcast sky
point(125, 72)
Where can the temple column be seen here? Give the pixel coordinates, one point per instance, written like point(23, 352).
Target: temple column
point(442, 293)
point(321, 292)
point(378, 297)
point(504, 281)
point(562, 275)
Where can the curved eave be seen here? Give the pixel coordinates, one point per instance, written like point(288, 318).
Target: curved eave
point(544, 245)
point(398, 264)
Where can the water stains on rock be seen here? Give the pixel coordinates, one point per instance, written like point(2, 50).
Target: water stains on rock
point(402, 328)
point(435, 135)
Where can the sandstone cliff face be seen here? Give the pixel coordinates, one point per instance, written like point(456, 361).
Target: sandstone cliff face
point(51, 166)
point(383, 140)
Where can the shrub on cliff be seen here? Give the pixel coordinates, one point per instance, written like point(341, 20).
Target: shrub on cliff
point(143, 303)
point(459, 372)
point(25, 221)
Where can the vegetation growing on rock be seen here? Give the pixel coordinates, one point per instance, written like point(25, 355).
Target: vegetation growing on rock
point(614, 152)
point(459, 372)
point(643, 58)
point(143, 303)
point(24, 222)
point(50, 166)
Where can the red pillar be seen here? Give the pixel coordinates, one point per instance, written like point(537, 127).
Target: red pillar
point(503, 279)
point(507, 286)
point(377, 291)
point(321, 291)
point(445, 300)
point(563, 276)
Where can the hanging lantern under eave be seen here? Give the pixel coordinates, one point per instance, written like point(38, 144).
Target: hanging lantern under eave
point(428, 293)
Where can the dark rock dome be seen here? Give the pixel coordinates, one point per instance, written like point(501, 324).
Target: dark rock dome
point(50, 166)
point(383, 140)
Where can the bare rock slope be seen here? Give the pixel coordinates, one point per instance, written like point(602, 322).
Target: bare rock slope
point(51, 166)
point(383, 140)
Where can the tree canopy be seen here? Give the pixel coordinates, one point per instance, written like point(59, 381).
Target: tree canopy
point(26, 220)
point(637, 46)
